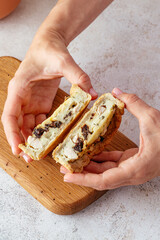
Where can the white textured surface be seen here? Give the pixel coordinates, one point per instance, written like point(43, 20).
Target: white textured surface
point(121, 48)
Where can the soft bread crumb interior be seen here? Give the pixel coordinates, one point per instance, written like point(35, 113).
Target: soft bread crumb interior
point(94, 122)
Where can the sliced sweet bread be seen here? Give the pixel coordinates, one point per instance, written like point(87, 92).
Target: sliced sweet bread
point(47, 135)
point(91, 134)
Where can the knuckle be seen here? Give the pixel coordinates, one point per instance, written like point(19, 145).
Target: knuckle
point(153, 114)
point(151, 118)
point(83, 79)
point(129, 173)
point(132, 98)
point(101, 187)
point(100, 184)
point(63, 60)
point(140, 176)
point(132, 173)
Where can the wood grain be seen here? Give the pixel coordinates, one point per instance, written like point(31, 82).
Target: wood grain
point(42, 179)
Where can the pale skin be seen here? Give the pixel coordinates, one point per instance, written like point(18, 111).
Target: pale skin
point(33, 88)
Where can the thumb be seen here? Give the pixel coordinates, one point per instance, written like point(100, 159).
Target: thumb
point(73, 73)
point(134, 104)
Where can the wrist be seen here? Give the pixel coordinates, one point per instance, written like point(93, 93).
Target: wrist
point(54, 27)
point(70, 17)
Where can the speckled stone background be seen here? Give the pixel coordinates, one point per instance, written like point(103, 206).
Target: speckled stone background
point(121, 48)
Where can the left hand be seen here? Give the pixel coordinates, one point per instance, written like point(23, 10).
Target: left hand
point(110, 170)
point(32, 90)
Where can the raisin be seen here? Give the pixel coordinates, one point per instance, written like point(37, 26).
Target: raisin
point(46, 127)
point(73, 105)
point(67, 115)
point(103, 106)
point(79, 145)
point(38, 132)
point(101, 138)
point(56, 124)
point(85, 131)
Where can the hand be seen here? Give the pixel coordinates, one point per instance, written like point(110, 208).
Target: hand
point(110, 170)
point(29, 97)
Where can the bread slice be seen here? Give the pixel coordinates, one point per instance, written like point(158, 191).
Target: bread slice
point(91, 134)
point(47, 135)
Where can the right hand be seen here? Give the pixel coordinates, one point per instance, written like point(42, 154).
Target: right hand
point(29, 97)
point(110, 170)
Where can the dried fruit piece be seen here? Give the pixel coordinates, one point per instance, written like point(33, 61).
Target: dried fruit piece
point(56, 124)
point(79, 145)
point(85, 131)
point(68, 114)
point(101, 109)
point(38, 132)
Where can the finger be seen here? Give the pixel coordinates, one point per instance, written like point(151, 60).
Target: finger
point(40, 118)
point(109, 179)
point(134, 104)
point(13, 134)
point(11, 117)
point(76, 75)
point(127, 183)
point(108, 156)
point(64, 170)
point(116, 177)
point(28, 125)
point(84, 179)
point(94, 167)
point(27, 158)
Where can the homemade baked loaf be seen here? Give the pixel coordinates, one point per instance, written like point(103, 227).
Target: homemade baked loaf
point(91, 134)
point(47, 135)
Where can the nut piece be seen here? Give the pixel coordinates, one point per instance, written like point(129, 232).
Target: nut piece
point(70, 153)
point(101, 109)
point(75, 138)
point(34, 142)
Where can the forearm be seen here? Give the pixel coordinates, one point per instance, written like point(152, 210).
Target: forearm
point(71, 17)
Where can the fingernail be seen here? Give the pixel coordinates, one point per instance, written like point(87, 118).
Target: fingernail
point(93, 92)
point(66, 179)
point(62, 171)
point(25, 158)
point(117, 91)
point(13, 150)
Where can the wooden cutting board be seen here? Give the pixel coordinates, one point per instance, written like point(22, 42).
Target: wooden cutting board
point(42, 179)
